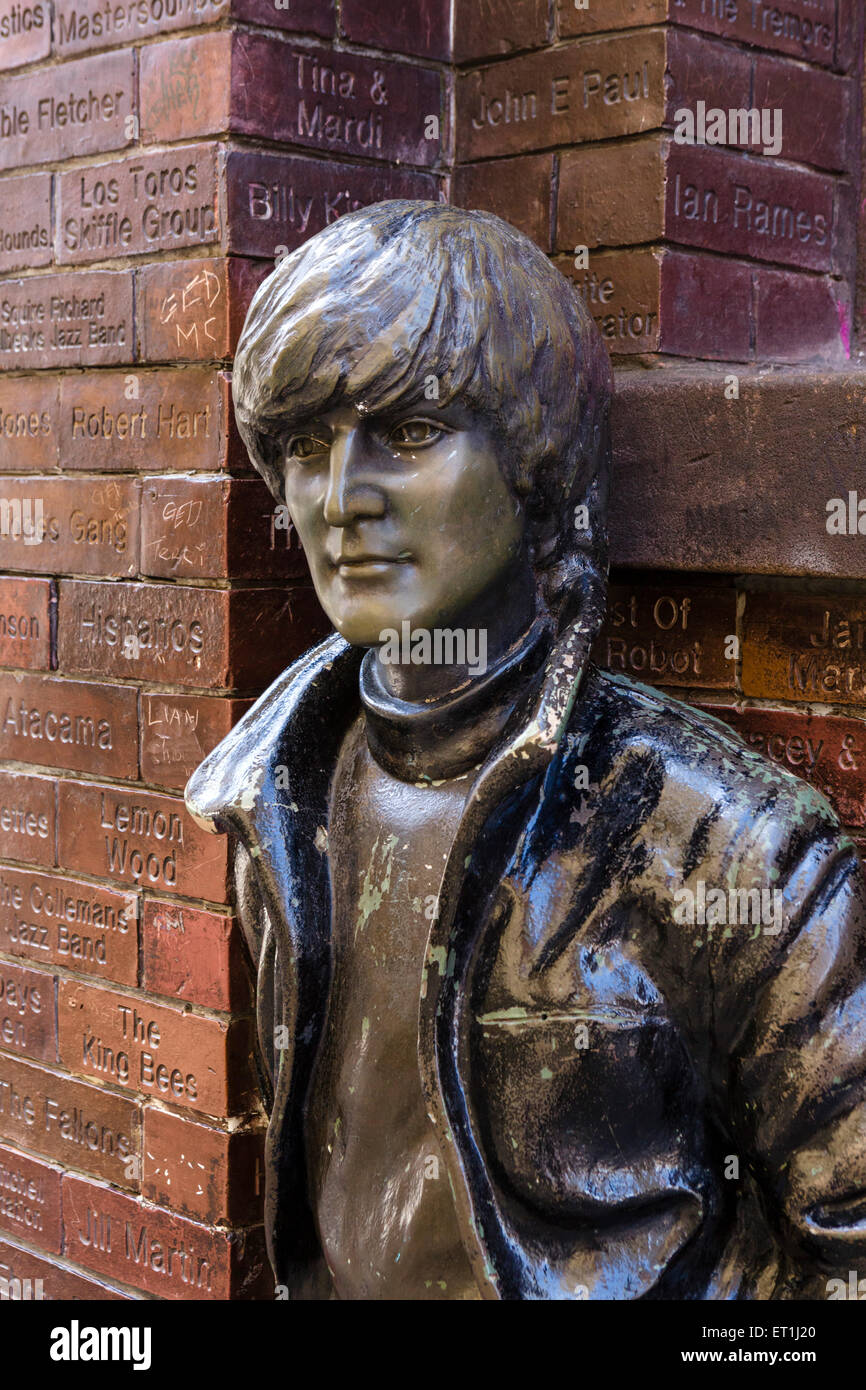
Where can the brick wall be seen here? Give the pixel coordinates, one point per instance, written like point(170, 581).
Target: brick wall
point(154, 160)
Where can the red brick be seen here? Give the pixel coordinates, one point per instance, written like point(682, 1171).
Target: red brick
point(20, 45)
point(801, 317)
point(70, 724)
point(184, 87)
point(29, 1201)
point(805, 647)
point(28, 422)
point(215, 528)
point(301, 16)
point(30, 1277)
point(79, 1126)
point(52, 920)
point(82, 27)
point(26, 607)
point(825, 750)
point(377, 108)
point(205, 1173)
point(178, 731)
point(142, 421)
point(27, 818)
point(194, 955)
point(193, 311)
point(35, 110)
point(491, 187)
point(205, 638)
point(556, 97)
point(71, 525)
point(422, 29)
point(166, 1054)
point(669, 636)
point(154, 1250)
point(279, 200)
point(830, 140)
point(132, 206)
point(28, 1024)
point(82, 320)
point(141, 838)
point(25, 240)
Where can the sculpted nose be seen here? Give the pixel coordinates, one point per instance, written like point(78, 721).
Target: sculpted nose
point(351, 492)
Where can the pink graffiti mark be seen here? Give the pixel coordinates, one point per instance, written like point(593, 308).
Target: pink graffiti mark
point(844, 328)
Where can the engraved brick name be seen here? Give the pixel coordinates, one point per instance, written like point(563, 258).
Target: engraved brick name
point(52, 920)
point(60, 320)
point(64, 111)
point(673, 636)
point(25, 623)
point(69, 724)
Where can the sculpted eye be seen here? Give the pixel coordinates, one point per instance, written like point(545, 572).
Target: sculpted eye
point(415, 434)
point(306, 446)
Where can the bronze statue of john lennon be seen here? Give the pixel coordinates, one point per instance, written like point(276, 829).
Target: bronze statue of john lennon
point(501, 1059)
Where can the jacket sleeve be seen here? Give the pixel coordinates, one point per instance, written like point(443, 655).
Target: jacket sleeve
point(259, 937)
point(795, 1014)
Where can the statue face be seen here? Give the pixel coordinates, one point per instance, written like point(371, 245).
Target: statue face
point(403, 515)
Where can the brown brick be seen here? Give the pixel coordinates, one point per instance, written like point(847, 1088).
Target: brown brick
point(142, 420)
point(78, 1125)
point(178, 731)
point(684, 454)
point(193, 311)
point(194, 955)
point(342, 104)
point(154, 1250)
point(132, 206)
point(60, 112)
point(664, 300)
point(27, 829)
point(27, 1016)
point(825, 750)
point(184, 87)
point(215, 528)
point(25, 33)
point(142, 838)
point(205, 638)
point(30, 1277)
point(164, 1053)
point(794, 29)
point(25, 240)
point(279, 200)
point(498, 27)
point(714, 199)
point(205, 1173)
point(491, 187)
point(29, 1201)
point(71, 525)
point(805, 647)
point(25, 623)
point(28, 422)
point(669, 636)
point(66, 320)
point(52, 920)
point(69, 724)
point(562, 96)
point(799, 318)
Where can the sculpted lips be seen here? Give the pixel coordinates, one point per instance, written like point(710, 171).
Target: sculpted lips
point(366, 563)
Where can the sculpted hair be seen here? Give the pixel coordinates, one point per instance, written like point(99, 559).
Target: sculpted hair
point(389, 299)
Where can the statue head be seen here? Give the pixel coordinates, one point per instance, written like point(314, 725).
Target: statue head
point(429, 397)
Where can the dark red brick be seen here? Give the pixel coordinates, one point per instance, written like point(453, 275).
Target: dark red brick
point(51, 920)
point(69, 724)
point(422, 29)
point(66, 320)
point(300, 16)
point(801, 317)
point(194, 955)
point(279, 200)
point(216, 528)
point(154, 1250)
point(77, 1125)
point(166, 1054)
point(830, 140)
point(28, 1023)
point(71, 525)
point(29, 1201)
point(141, 838)
point(78, 109)
point(25, 623)
point(206, 1173)
point(491, 187)
point(178, 731)
point(27, 818)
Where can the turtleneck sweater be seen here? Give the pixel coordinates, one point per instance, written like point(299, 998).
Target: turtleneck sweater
point(378, 1185)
